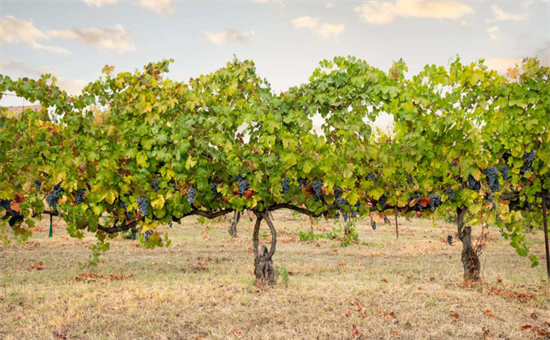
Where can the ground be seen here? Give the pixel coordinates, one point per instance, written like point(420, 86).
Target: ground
point(202, 286)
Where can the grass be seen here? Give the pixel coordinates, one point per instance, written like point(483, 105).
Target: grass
point(202, 286)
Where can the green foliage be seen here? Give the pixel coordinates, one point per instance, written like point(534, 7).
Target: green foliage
point(126, 130)
point(93, 258)
point(281, 272)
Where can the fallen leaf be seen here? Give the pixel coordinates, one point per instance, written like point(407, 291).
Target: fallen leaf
point(489, 313)
point(355, 332)
point(237, 331)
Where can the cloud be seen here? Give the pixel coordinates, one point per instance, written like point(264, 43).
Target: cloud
point(329, 5)
point(230, 35)
point(165, 7)
point(20, 68)
point(381, 13)
point(111, 38)
point(494, 33)
point(277, 3)
point(501, 65)
point(15, 31)
point(325, 30)
point(99, 3)
point(500, 15)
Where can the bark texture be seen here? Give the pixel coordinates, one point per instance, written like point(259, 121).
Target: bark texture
point(263, 262)
point(233, 224)
point(469, 258)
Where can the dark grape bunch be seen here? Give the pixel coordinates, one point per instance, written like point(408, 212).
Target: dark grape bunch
point(373, 224)
point(473, 184)
point(317, 189)
point(302, 182)
point(15, 216)
point(410, 181)
point(528, 159)
point(142, 204)
point(191, 193)
point(37, 184)
point(451, 193)
point(134, 234)
point(504, 171)
point(501, 231)
point(239, 177)
point(215, 189)
point(244, 185)
point(338, 193)
point(155, 184)
point(371, 177)
point(285, 184)
point(79, 198)
point(450, 240)
point(383, 202)
point(506, 156)
point(341, 203)
point(492, 178)
point(53, 197)
point(147, 234)
point(435, 201)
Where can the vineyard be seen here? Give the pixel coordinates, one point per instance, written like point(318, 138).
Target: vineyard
point(158, 170)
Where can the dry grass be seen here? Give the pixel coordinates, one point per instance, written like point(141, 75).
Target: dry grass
point(202, 287)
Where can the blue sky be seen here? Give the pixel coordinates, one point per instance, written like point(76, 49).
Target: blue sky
point(74, 39)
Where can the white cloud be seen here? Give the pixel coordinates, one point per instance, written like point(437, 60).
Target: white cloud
point(20, 68)
point(329, 5)
point(277, 3)
point(111, 38)
point(224, 36)
point(500, 15)
point(99, 3)
point(494, 33)
point(501, 65)
point(325, 30)
point(15, 31)
point(381, 13)
point(165, 7)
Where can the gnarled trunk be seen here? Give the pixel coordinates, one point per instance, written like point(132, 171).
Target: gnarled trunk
point(469, 258)
point(233, 224)
point(263, 263)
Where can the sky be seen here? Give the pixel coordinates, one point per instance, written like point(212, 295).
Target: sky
point(75, 39)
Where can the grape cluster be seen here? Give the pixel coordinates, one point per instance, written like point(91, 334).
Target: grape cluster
point(302, 182)
point(239, 177)
point(244, 185)
point(338, 192)
point(142, 204)
point(15, 216)
point(450, 240)
point(528, 159)
point(492, 178)
point(371, 177)
point(54, 196)
point(504, 171)
point(191, 193)
point(410, 181)
point(317, 189)
point(383, 202)
point(215, 189)
point(451, 193)
point(79, 198)
point(473, 184)
point(155, 184)
point(341, 203)
point(147, 234)
point(6, 204)
point(134, 234)
point(435, 201)
point(37, 184)
point(285, 184)
point(373, 224)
